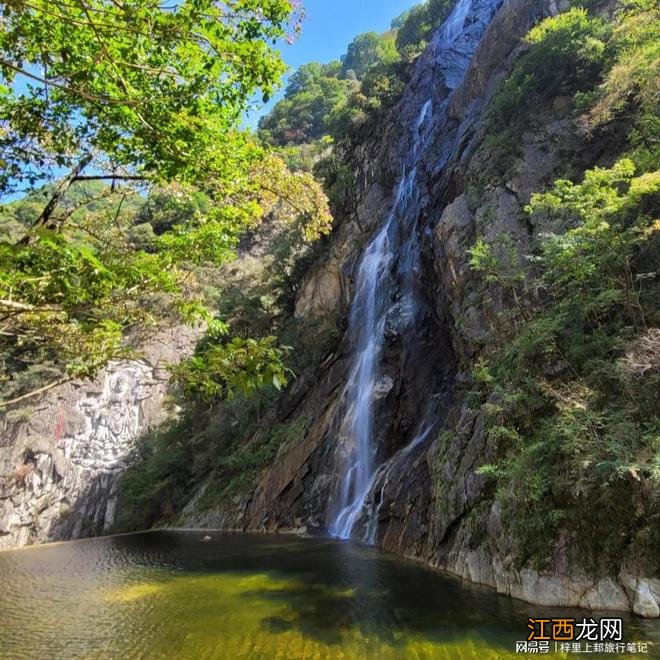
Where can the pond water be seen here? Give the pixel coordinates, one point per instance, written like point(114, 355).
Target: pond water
point(170, 594)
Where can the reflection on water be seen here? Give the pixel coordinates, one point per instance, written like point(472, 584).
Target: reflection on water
point(173, 595)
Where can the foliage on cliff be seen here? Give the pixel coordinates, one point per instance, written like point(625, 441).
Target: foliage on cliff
point(570, 391)
point(573, 403)
point(228, 429)
point(417, 25)
point(146, 98)
point(606, 70)
point(319, 95)
point(335, 99)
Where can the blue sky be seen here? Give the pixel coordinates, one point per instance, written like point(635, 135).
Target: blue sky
point(330, 26)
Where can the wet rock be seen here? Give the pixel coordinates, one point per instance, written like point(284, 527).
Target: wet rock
point(316, 529)
point(606, 594)
point(644, 603)
point(383, 387)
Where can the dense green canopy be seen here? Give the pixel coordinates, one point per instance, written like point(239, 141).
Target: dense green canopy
point(336, 98)
point(144, 96)
point(139, 87)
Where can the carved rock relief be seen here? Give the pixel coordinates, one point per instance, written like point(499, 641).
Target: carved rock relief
point(60, 463)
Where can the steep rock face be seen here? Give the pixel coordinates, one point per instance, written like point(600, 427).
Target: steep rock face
point(288, 495)
point(327, 288)
point(464, 531)
point(61, 457)
point(415, 379)
point(429, 501)
point(418, 364)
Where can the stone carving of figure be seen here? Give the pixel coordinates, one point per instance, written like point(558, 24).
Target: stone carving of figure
point(121, 415)
point(112, 417)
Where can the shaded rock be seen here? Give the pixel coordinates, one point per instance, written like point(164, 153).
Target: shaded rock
point(644, 603)
point(75, 442)
point(321, 291)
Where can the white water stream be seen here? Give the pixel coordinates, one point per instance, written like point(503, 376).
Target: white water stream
point(393, 253)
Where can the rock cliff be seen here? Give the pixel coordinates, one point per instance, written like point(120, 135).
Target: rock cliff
point(61, 456)
point(427, 499)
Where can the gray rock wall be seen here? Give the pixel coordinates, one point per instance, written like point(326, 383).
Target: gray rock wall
point(61, 455)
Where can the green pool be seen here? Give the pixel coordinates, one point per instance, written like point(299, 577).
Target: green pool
point(172, 594)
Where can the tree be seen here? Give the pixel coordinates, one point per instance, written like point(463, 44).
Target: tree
point(130, 89)
point(416, 26)
point(367, 50)
point(305, 77)
point(313, 92)
point(138, 95)
point(319, 96)
point(239, 366)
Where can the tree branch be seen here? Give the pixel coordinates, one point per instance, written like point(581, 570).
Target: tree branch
point(67, 88)
point(16, 306)
point(41, 390)
point(61, 218)
point(110, 177)
point(283, 198)
point(44, 219)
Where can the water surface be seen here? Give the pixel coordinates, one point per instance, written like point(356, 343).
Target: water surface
point(171, 594)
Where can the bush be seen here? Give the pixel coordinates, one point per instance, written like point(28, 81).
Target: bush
point(418, 24)
point(152, 489)
point(566, 54)
point(236, 471)
point(577, 430)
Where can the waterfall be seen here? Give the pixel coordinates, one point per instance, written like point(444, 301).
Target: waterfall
point(367, 314)
point(391, 264)
point(453, 26)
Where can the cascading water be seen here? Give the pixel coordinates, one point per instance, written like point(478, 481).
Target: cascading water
point(453, 26)
point(390, 269)
point(367, 314)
